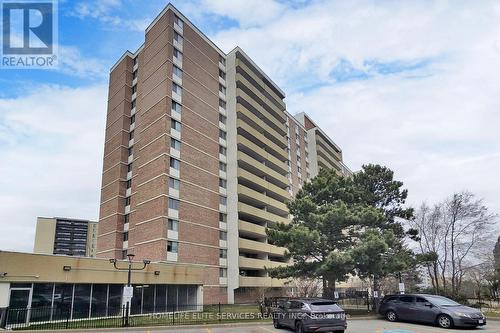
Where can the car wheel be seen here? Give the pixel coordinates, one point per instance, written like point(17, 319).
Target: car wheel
point(299, 327)
point(391, 316)
point(445, 321)
point(276, 323)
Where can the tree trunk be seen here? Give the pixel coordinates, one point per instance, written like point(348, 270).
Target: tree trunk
point(329, 290)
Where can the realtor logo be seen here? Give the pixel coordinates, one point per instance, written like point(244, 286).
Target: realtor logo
point(29, 38)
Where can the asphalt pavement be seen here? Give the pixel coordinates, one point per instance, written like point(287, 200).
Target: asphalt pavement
point(354, 326)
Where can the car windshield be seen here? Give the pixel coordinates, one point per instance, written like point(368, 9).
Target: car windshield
point(441, 301)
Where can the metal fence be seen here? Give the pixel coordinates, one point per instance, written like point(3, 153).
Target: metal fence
point(52, 318)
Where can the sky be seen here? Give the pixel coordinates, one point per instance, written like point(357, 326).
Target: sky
point(413, 85)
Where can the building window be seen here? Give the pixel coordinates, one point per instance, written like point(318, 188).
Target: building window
point(222, 134)
point(177, 54)
point(222, 60)
point(173, 225)
point(174, 124)
point(176, 144)
point(174, 183)
point(177, 72)
point(132, 119)
point(129, 167)
point(131, 135)
point(299, 170)
point(222, 217)
point(223, 272)
point(134, 75)
point(177, 37)
point(222, 183)
point(130, 151)
point(222, 104)
point(125, 236)
point(124, 254)
point(223, 200)
point(172, 246)
point(222, 166)
point(134, 89)
point(222, 150)
point(222, 89)
point(175, 163)
point(223, 253)
point(176, 107)
point(173, 203)
point(126, 218)
point(222, 74)
point(129, 183)
point(222, 235)
point(178, 21)
point(127, 201)
point(177, 89)
point(222, 118)
point(134, 103)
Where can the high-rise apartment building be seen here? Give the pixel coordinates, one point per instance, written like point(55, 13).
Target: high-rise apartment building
point(67, 236)
point(200, 157)
point(324, 152)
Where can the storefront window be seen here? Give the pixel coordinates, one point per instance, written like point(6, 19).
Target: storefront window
point(136, 300)
point(161, 298)
point(115, 300)
point(148, 299)
point(81, 301)
point(172, 298)
point(99, 296)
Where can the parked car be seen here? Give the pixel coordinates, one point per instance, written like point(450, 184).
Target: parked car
point(310, 315)
point(431, 309)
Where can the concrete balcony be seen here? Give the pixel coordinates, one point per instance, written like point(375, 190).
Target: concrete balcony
point(260, 214)
point(278, 152)
point(278, 125)
point(278, 113)
point(277, 138)
point(261, 199)
point(259, 247)
point(252, 165)
point(328, 146)
point(257, 281)
point(251, 229)
point(251, 263)
point(263, 86)
point(263, 184)
point(277, 165)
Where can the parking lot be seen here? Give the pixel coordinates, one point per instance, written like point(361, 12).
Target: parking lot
point(355, 326)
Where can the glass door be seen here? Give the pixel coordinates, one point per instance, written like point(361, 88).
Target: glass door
point(18, 306)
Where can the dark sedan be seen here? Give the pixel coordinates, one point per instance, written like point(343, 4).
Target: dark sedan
point(310, 315)
point(430, 309)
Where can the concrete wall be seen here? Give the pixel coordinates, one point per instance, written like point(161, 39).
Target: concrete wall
point(44, 235)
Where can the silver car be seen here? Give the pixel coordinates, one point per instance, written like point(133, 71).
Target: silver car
point(430, 309)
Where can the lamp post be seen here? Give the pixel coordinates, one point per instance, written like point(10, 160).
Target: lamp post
point(130, 257)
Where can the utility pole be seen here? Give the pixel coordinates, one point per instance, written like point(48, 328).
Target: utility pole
point(130, 257)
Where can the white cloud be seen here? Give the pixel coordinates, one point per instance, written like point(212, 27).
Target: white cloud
point(248, 12)
point(106, 12)
point(52, 141)
point(72, 62)
point(436, 125)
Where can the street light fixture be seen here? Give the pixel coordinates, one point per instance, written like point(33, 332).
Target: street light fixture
point(130, 258)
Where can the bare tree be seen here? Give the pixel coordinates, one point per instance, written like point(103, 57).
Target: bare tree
point(428, 223)
point(453, 229)
point(307, 288)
